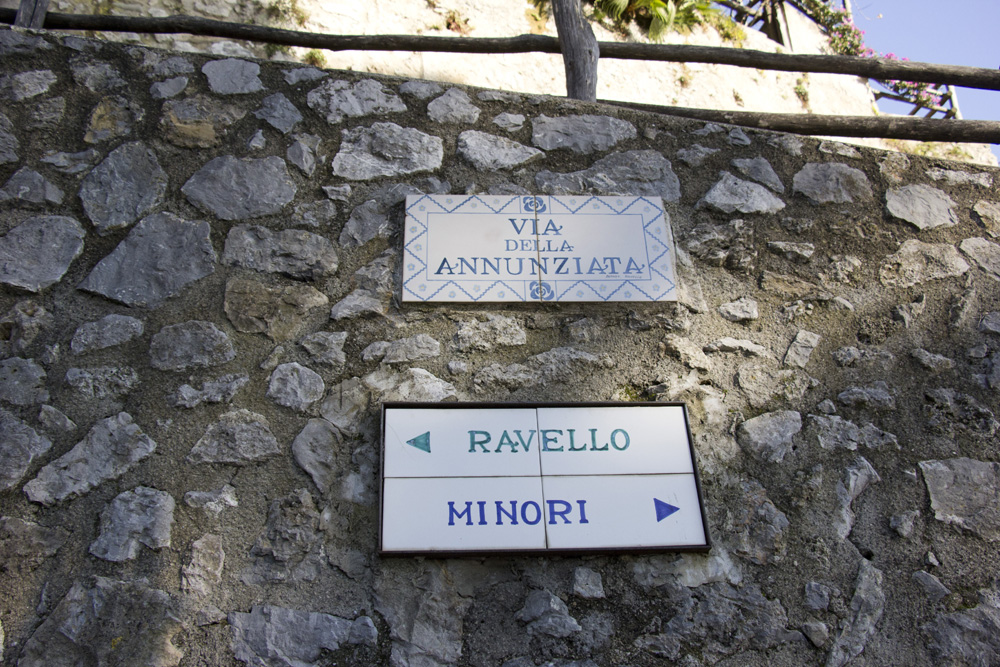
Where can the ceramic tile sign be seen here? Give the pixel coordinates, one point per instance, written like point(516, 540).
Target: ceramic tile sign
point(481, 478)
point(493, 248)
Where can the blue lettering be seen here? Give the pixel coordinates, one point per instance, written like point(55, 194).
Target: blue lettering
point(474, 442)
point(462, 263)
point(524, 222)
point(526, 445)
point(546, 439)
point(552, 228)
point(512, 514)
point(561, 264)
point(573, 448)
point(593, 442)
point(452, 514)
point(482, 512)
point(612, 261)
point(615, 444)
point(538, 513)
point(629, 267)
point(520, 265)
point(595, 267)
point(445, 266)
point(565, 507)
point(583, 511)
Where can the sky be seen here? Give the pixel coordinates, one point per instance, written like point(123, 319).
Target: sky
point(954, 32)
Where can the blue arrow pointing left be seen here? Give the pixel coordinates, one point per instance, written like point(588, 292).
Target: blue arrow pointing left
point(421, 442)
point(663, 510)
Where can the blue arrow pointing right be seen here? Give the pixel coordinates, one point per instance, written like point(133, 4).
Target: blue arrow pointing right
point(421, 442)
point(663, 510)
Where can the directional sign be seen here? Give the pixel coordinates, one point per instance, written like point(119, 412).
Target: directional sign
point(493, 248)
point(487, 478)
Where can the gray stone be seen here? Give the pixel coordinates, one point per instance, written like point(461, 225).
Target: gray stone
point(796, 252)
point(54, 420)
point(338, 99)
point(103, 382)
point(817, 596)
point(546, 614)
point(739, 346)
point(413, 348)
point(198, 121)
point(295, 386)
point(142, 516)
point(279, 111)
point(867, 607)
point(106, 332)
point(420, 89)
point(326, 347)
point(293, 252)
point(232, 76)
point(453, 107)
point(412, 384)
point(112, 118)
point(801, 348)
point(37, 253)
point(969, 637)
point(95, 623)
point(932, 362)
point(125, 186)
point(922, 206)
point(904, 523)
point(112, 447)
point(171, 66)
point(457, 367)
point(761, 384)
point(338, 192)
point(816, 632)
point(737, 137)
point(832, 183)
point(291, 547)
point(25, 85)
point(302, 153)
point(580, 134)
point(637, 173)
point(21, 325)
point(236, 189)
point(731, 194)
point(835, 432)
point(990, 322)
point(20, 445)
point(293, 77)
point(96, 76)
point(858, 477)
point(278, 637)
point(27, 186)
point(162, 90)
point(558, 365)
point(200, 576)
point(931, 585)
point(346, 405)
point(876, 397)
point(191, 344)
point(510, 122)
point(161, 256)
point(587, 584)
point(487, 152)
point(315, 450)
point(22, 382)
point(758, 526)
point(483, 336)
point(258, 141)
point(375, 351)
point(283, 313)
point(743, 309)
point(212, 501)
point(239, 437)
point(760, 170)
point(965, 492)
point(730, 245)
point(377, 218)
point(315, 213)
point(957, 177)
point(386, 149)
point(20, 42)
point(769, 436)
point(985, 253)
point(221, 390)
point(8, 141)
point(25, 544)
point(949, 411)
point(988, 212)
point(695, 156)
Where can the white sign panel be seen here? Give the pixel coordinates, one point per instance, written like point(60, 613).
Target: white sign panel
point(481, 478)
point(491, 248)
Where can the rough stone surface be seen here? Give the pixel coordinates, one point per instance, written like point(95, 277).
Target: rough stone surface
point(212, 501)
point(293, 252)
point(22, 382)
point(102, 382)
point(25, 545)
point(95, 622)
point(314, 450)
point(109, 331)
point(487, 152)
point(279, 112)
point(511, 122)
point(170, 88)
point(239, 437)
point(326, 347)
point(556, 365)
point(832, 183)
point(295, 386)
point(346, 404)
point(695, 156)
point(989, 214)
point(112, 446)
point(161, 256)
point(221, 390)
point(231, 188)
point(191, 344)
point(731, 194)
point(128, 184)
point(759, 526)
point(198, 121)
point(495, 331)
point(922, 206)
point(743, 309)
point(20, 445)
point(37, 253)
point(386, 149)
point(338, 99)
point(801, 348)
point(984, 253)
point(867, 607)
point(917, 262)
point(769, 436)
point(278, 637)
point(580, 134)
point(964, 492)
point(232, 76)
point(420, 89)
point(760, 170)
point(587, 584)
point(280, 312)
point(27, 186)
point(405, 350)
point(413, 384)
point(453, 107)
point(967, 637)
point(142, 516)
point(639, 173)
point(858, 477)
point(546, 614)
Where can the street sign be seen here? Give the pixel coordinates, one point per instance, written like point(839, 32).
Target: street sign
point(493, 248)
point(461, 478)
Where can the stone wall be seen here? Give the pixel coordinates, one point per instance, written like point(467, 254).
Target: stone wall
point(200, 318)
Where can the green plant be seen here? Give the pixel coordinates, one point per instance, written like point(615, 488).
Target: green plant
point(315, 58)
point(274, 49)
point(655, 18)
point(802, 92)
point(456, 23)
point(728, 29)
point(283, 12)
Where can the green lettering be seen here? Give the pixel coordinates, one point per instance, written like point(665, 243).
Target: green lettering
point(614, 443)
point(473, 442)
point(546, 439)
point(593, 442)
point(572, 444)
